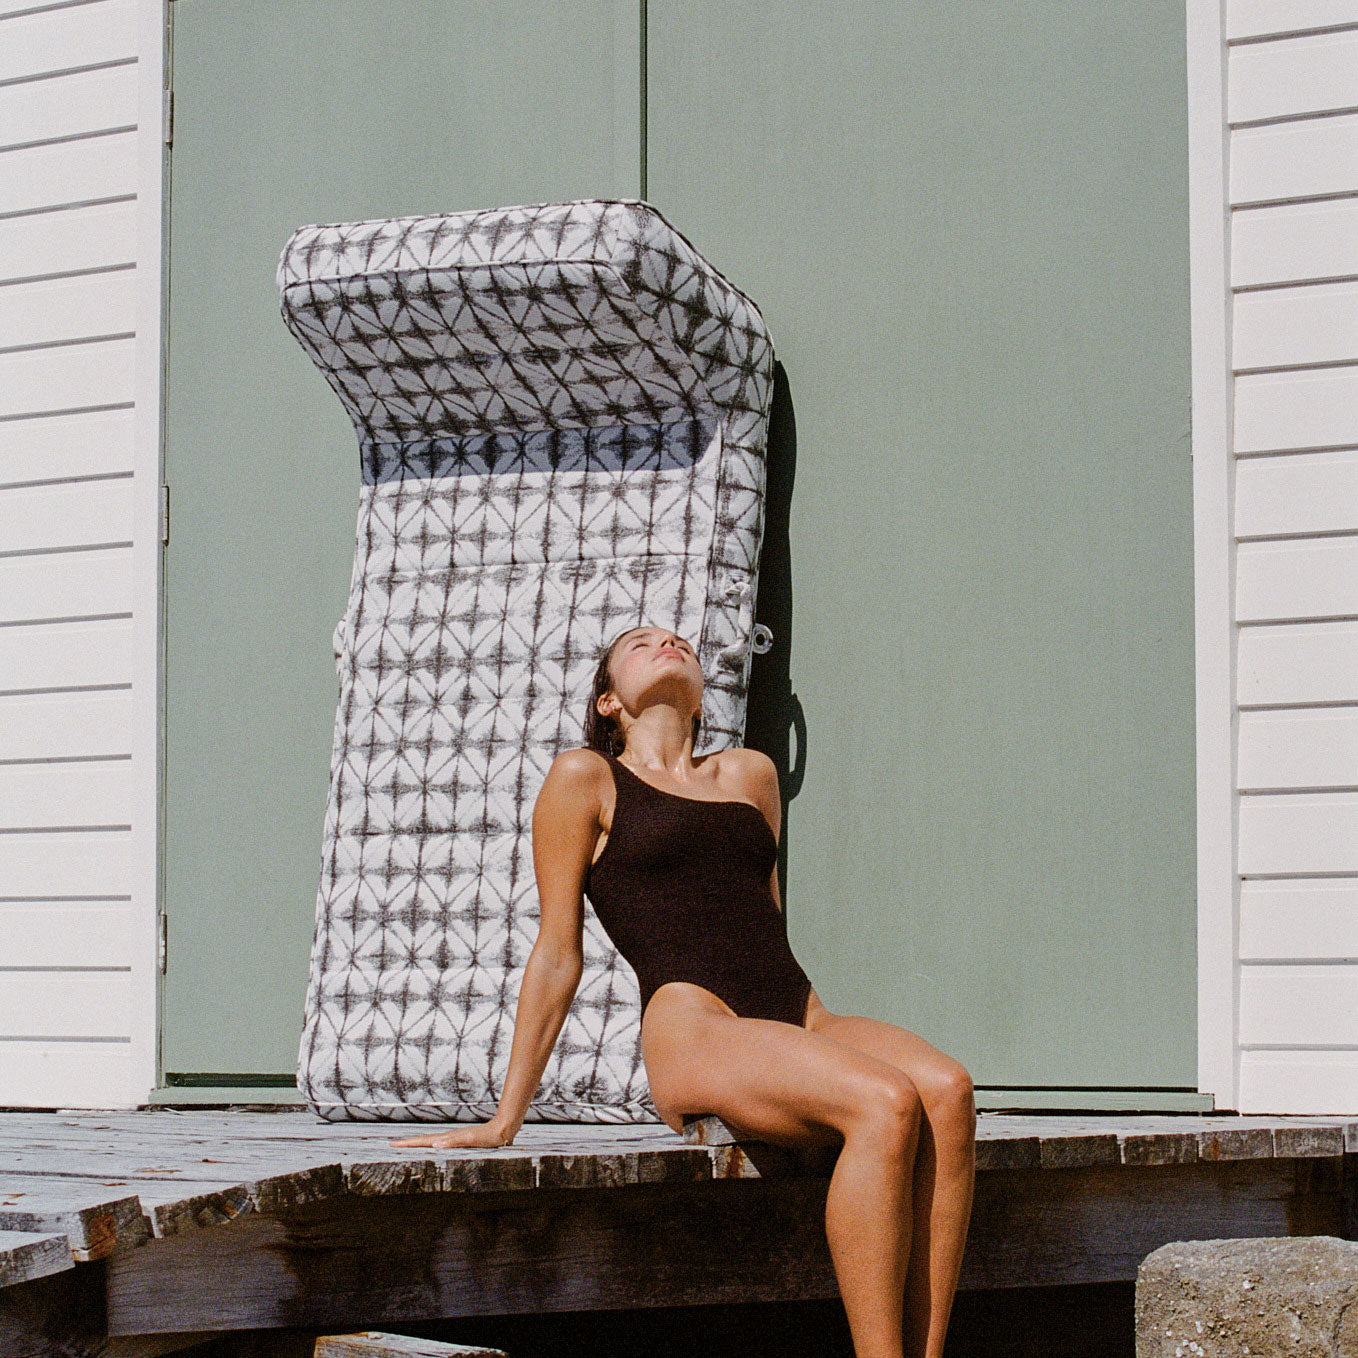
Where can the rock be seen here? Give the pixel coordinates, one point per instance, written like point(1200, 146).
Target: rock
point(1249, 1299)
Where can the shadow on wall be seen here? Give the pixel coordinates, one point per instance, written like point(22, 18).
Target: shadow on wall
point(774, 720)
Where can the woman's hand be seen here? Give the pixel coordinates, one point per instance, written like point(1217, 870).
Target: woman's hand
point(492, 1133)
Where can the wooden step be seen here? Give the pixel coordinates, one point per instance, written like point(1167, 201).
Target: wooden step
point(375, 1344)
point(25, 1256)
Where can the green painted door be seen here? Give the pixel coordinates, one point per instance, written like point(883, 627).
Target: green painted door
point(967, 228)
point(286, 114)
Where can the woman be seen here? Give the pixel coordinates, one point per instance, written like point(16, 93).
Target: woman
point(685, 882)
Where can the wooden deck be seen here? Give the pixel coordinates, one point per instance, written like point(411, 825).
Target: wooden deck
point(162, 1227)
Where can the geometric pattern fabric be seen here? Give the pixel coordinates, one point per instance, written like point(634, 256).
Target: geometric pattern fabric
point(562, 413)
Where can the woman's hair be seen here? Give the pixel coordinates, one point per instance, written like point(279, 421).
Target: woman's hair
point(602, 732)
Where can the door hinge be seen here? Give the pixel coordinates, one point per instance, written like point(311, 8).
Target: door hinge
point(164, 514)
point(167, 116)
point(163, 950)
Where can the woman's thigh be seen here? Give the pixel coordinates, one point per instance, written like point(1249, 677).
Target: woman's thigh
point(933, 1072)
point(767, 1080)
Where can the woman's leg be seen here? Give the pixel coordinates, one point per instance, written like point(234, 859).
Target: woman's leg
point(944, 1170)
point(783, 1084)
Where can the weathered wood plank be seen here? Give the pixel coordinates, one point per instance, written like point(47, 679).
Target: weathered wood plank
point(110, 1181)
point(374, 1261)
point(1079, 1150)
point(24, 1256)
point(465, 1174)
point(1308, 1141)
point(1160, 1148)
point(692, 1165)
point(377, 1260)
point(231, 1160)
point(95, 1219)
point(175, 1207)
point(62, 1316)
point(1057, 1142)
point(189, 1211)
point(1097, 1224)
point(1236, 1143)
point(1007, 1152)
point(290, 1126)
point(708, 1130)
point(99, 1224)
point(376, 1344)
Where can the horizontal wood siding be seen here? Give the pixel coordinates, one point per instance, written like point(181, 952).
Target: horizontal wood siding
point(77, 964)
point(1292, 79)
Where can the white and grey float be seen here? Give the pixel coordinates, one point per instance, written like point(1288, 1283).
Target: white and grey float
point(562, 412)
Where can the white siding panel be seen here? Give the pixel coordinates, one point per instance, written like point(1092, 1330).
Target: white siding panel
point(1308, 159)
point(1290, 328)
point(40, 1074)
point(1324, 1083)
point(82, 375)
point(1275, 412)
point(68, 172)
point(1306, 578)
point(71, 514)
point(80, 793)
point(1294, 243)
point(80, 225)
point(68, 308)
point(63, 934)
point(1300, 493)
point(1293, 76)
point(65, 585)
point(66, 445)
point(1314, 834)
point(59, 39)
point(1306, 662)
point(1296, 326)
point(1256, 18)
point(37, 867)
point(1311, 748)
point(1301, 920)
point(96, 237)
point(65, 1004)
point(65, 725)
point(1299, 1006)
point(89, 101)
point(66, 654)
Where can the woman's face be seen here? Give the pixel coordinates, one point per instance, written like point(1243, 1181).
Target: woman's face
point(654, 662)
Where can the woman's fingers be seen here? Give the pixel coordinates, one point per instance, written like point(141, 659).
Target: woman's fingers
point(479, 1135)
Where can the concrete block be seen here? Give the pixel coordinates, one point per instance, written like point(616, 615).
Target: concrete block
point(1296, 1296)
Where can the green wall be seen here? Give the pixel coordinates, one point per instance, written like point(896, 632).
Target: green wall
point(967, 229)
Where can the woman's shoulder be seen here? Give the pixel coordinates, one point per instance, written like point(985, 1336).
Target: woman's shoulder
point(744, 760)
point(581, 761)
point(746, 770)
point(576, 779)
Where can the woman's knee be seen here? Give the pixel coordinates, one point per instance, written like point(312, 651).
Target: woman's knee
point(888, 1113)
point(950, 1099)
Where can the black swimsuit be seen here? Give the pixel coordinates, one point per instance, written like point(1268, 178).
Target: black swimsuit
point(682, 889)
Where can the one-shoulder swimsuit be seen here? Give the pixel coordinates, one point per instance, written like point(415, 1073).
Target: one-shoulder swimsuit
point(682, 889)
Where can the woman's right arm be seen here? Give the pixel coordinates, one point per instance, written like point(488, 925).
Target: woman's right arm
point(565, 830)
